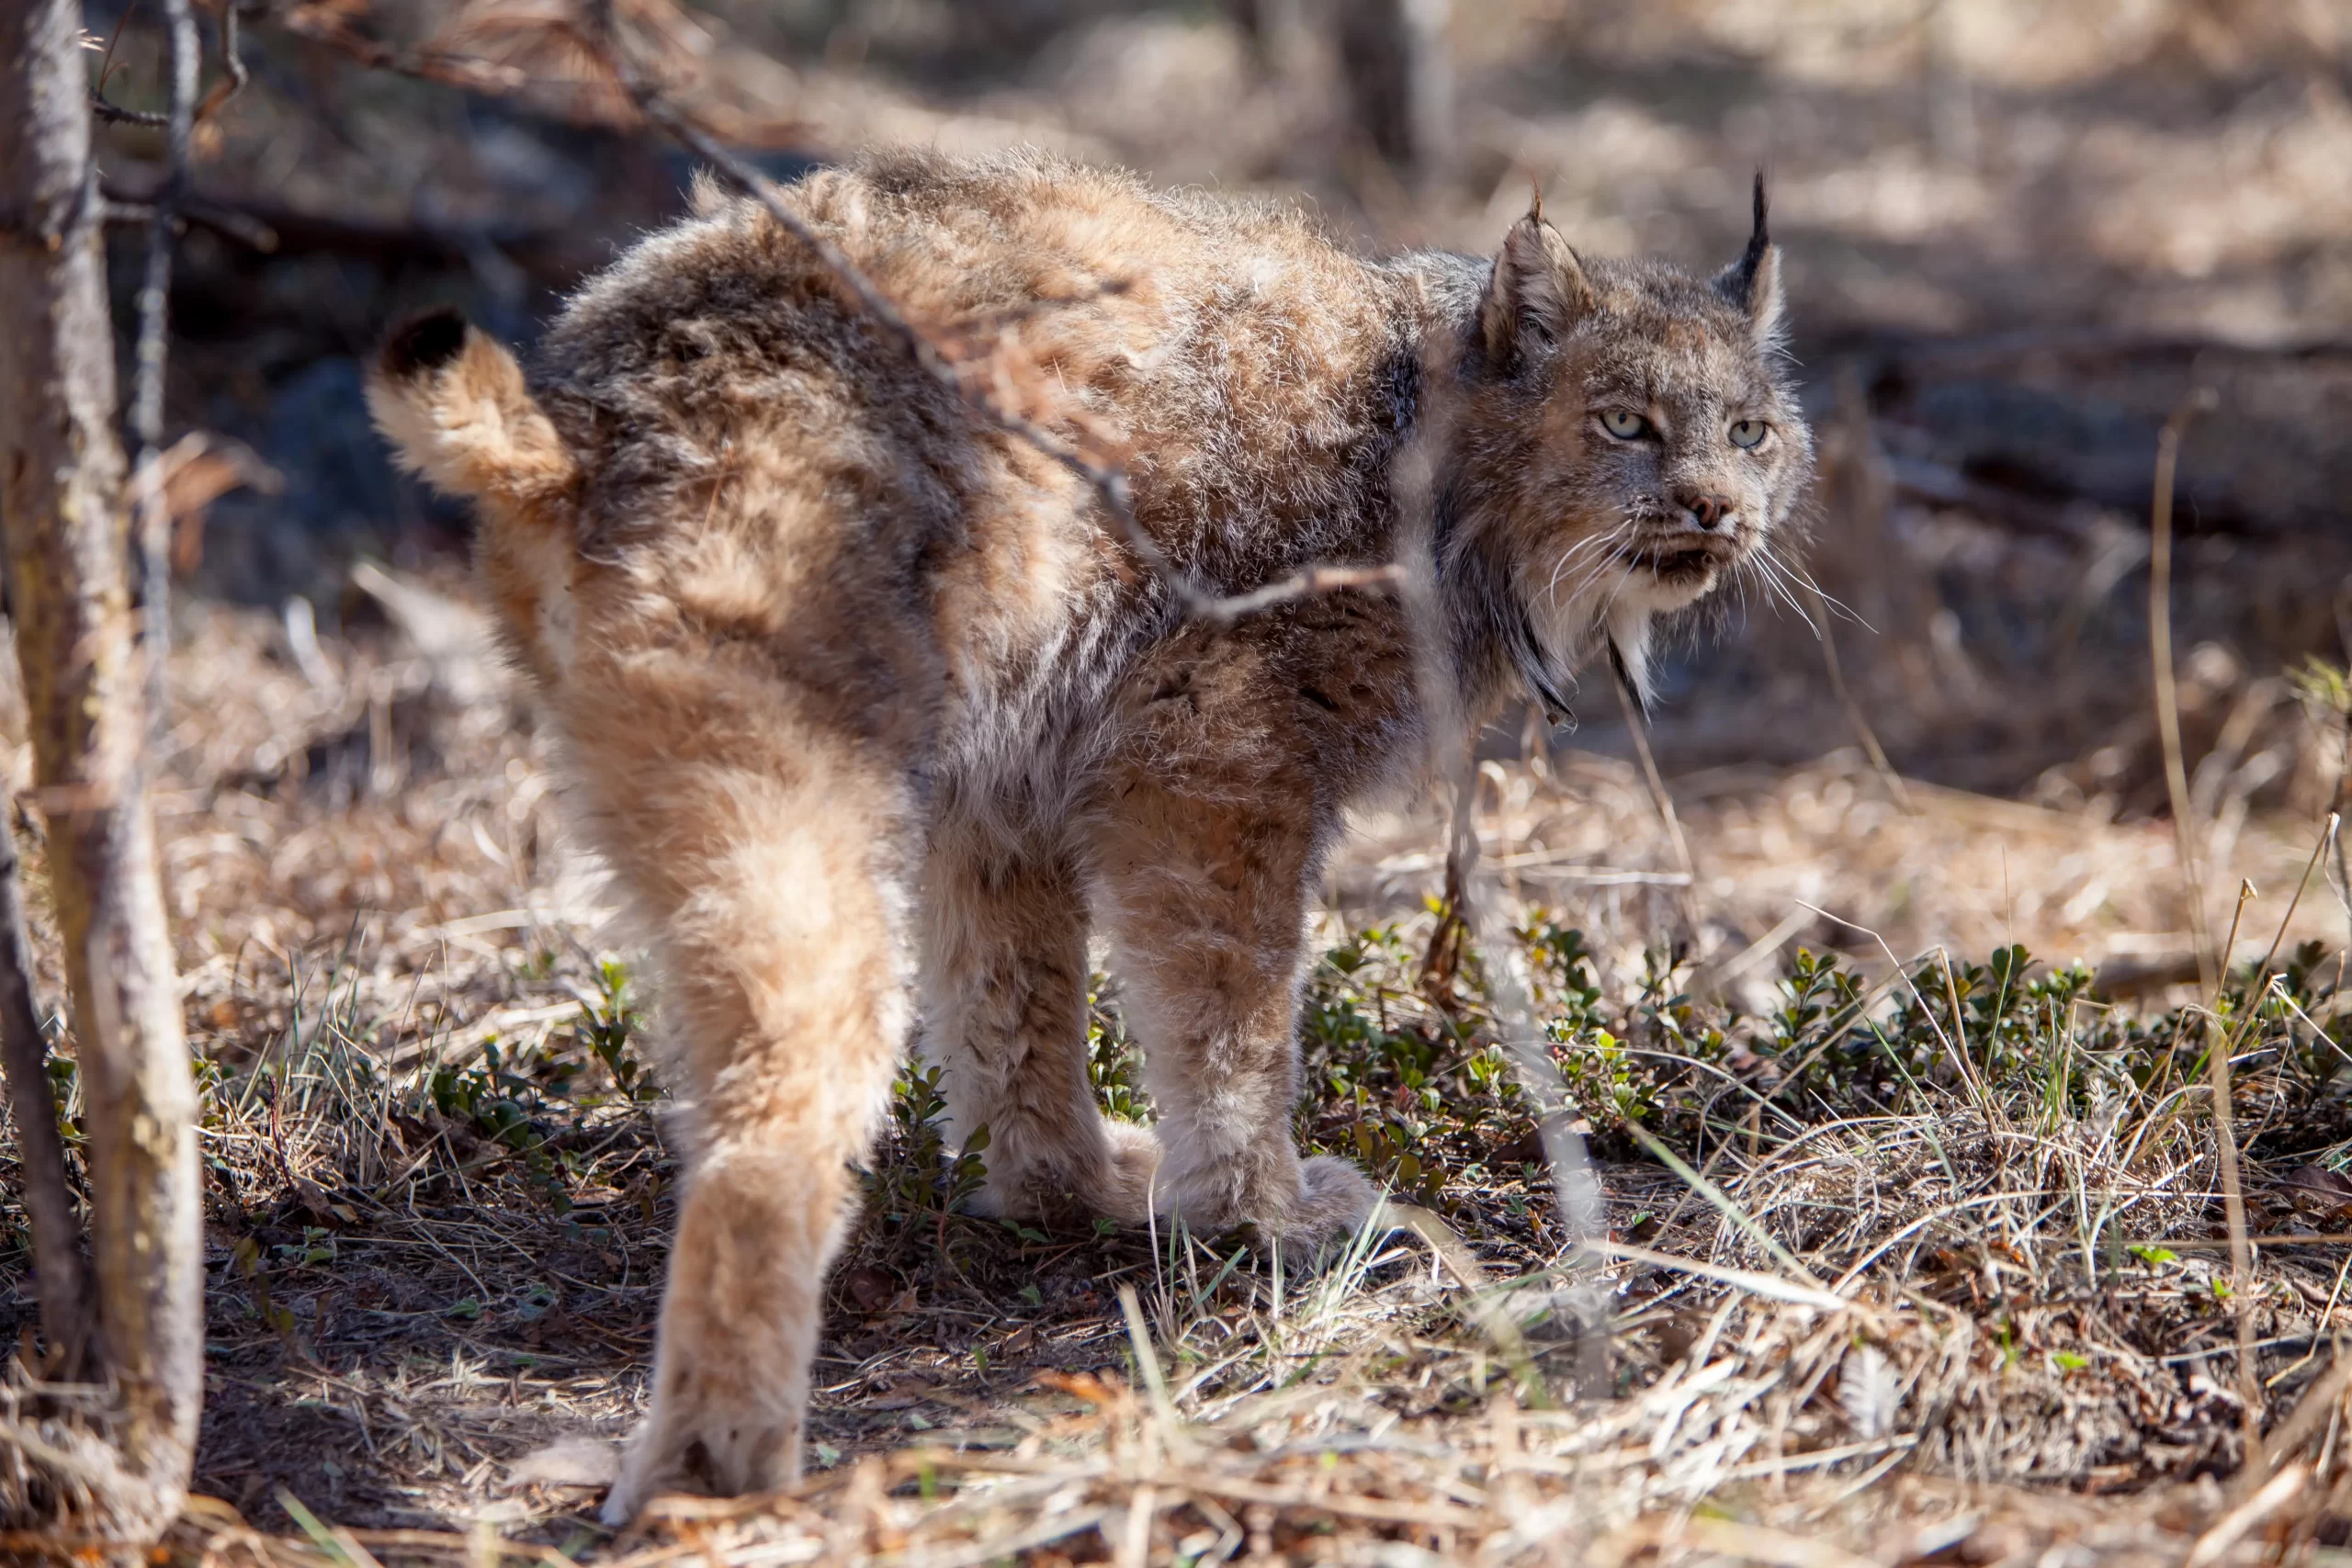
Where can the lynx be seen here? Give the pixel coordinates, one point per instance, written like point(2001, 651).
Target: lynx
point(875, 716)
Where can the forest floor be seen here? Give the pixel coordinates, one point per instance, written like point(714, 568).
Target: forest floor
point(1902, 1260)
point(1912, 1242)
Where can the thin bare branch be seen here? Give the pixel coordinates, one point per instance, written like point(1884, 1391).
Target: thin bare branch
point(331, 27)
point(114, 113)
point(184, 58)
point(233, 75)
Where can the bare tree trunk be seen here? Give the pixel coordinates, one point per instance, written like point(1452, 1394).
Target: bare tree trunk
point(41, 1154)
point(69, 556)
point(1400, 78)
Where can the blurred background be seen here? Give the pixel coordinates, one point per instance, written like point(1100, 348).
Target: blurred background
point(2019, 234)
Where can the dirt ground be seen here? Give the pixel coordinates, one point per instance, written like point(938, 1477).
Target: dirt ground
point(438, 1194)
point(1978, 1318)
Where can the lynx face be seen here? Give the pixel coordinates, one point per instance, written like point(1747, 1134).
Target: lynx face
point(1655, 447)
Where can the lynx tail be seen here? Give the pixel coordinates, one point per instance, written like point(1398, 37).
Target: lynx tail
point(453, 403)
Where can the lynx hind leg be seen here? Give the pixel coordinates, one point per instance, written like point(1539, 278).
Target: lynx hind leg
point(1206, 898)
point(1004, 1013)
point(761, 853)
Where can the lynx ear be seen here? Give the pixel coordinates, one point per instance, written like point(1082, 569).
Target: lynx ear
point(1753, 282)
point(1538, 292)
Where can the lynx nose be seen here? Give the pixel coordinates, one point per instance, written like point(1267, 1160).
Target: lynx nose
point(1709, 512)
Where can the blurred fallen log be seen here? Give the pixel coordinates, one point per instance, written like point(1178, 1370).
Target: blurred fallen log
point(1919, 480)
point(2128, 979)
point(2040, 432)
point(293, 232)
point(2003, 349)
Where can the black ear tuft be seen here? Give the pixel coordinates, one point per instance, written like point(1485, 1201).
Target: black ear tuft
point(423, 343)
point(1752, 283)
point(1738, 280)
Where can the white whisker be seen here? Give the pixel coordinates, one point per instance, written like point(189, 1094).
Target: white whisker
point(1578, 549)
point(1834, 605)
point(1585, 579)
point(1590, 569)
point(1775, 578)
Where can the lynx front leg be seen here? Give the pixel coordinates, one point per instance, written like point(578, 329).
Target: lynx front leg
point(1206, 898)
point(768, 859)
point(1004, 1011)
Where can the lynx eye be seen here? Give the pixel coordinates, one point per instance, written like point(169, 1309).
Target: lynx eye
point(1749, 432)
point(1623, 423)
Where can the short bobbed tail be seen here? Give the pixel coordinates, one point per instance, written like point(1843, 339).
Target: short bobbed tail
point(453, 403)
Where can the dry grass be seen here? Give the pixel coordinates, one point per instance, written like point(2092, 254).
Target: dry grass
point(1935, 1276)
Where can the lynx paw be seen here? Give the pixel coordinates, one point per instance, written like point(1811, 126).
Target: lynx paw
point(1335, 1201)
point(739, 1325)
point(1134, 1161)
point(724, 1447)
point(1115, 1185)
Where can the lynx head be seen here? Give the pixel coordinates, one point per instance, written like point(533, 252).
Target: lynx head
point(1630, 443)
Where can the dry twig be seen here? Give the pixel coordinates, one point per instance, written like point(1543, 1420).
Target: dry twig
point(2184, 823)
